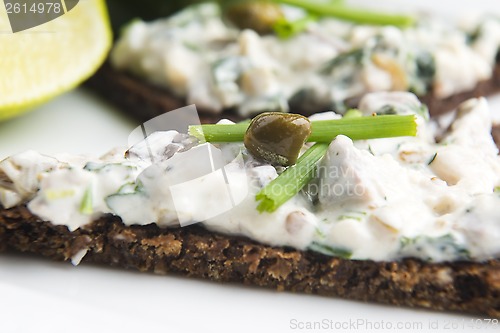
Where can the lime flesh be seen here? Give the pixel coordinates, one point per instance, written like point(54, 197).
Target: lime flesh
point(40, 63)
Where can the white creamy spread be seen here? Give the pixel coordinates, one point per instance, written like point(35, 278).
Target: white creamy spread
point(200, 58)
point(381, 199)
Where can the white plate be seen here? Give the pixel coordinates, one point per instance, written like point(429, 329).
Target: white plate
point(38, 295)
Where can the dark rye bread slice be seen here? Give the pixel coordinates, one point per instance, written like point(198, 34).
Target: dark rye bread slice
point(145, 101)
point(471, 287)
point(195, 252)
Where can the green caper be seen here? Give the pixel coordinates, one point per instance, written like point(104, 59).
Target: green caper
point(256, 15)
point(276, 137)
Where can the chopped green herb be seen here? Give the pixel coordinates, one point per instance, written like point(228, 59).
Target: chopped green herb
point(130, 187)
point(370, 150)
point(330, 251)
point(349, 217)
point(319, 233)
point(445, 246)
point(425, 72)
point(387, 110)
point(432, 159)
point(352, 58)
point(86, 206)
point(474, 35)
point(423, 111)
point(227, 70)
point(405, 241)
point(56, 194)
point(99, 167)
point(192, 46)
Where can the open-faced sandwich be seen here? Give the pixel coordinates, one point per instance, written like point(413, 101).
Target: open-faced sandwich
point(396, 216)
point(255, 56)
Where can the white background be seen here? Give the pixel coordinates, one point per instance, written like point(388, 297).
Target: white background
point(37, 295)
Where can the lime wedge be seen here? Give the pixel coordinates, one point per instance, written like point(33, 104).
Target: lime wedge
point(40, 63)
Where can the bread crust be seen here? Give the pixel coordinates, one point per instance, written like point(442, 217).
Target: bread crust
point(471, 287)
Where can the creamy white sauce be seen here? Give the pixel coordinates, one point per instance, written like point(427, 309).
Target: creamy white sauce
point(381, 199)
point(197, 56)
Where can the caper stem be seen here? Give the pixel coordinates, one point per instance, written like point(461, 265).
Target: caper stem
point(358, 128)
point(291, 181)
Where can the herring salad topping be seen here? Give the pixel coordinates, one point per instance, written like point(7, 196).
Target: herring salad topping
point(379, 199)
point(200, 58)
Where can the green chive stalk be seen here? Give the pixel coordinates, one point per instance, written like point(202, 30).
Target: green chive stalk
point(363, 128)
point(291, 181)
point(356, 128)
point(350, 14)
